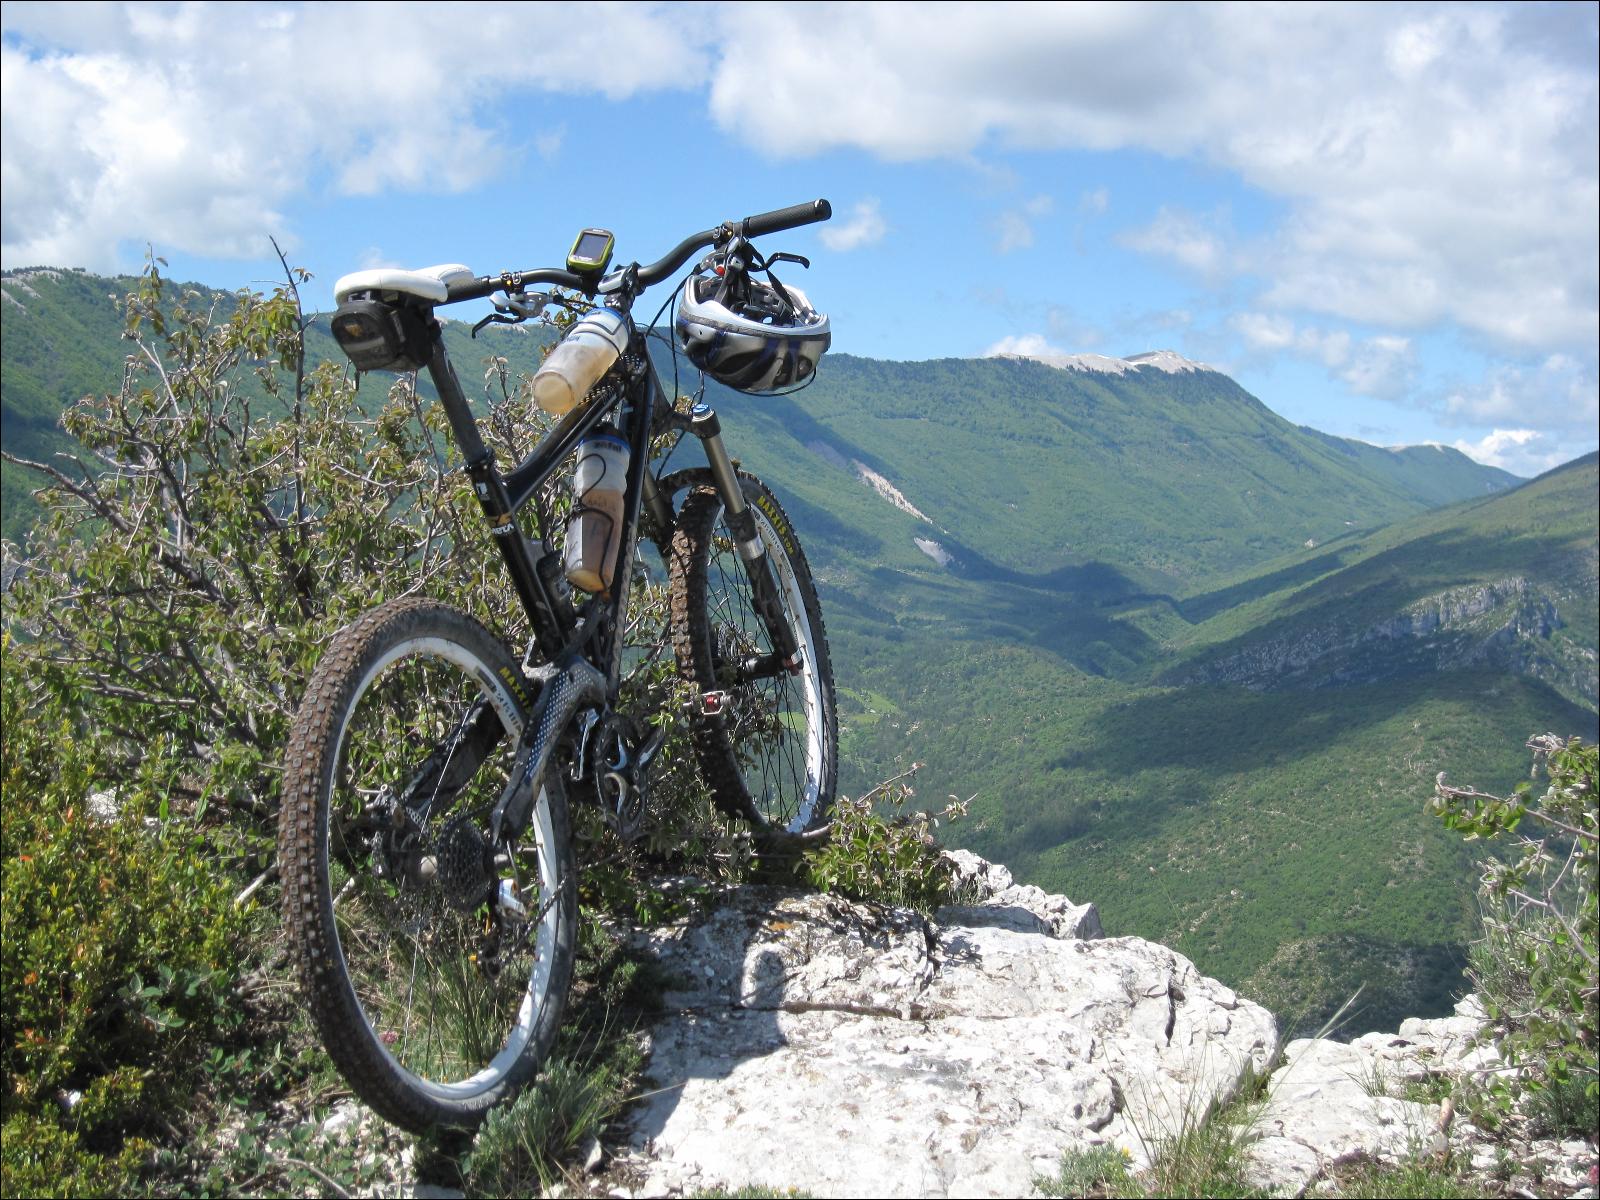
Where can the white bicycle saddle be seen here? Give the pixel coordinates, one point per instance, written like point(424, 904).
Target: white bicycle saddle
point(429, 283)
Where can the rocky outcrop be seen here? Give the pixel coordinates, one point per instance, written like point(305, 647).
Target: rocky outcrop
point(808, 1043)
point(868, 476)
point(1508, 624)
point(1331, 1104)
point(849, 1049)
point(842, 1049)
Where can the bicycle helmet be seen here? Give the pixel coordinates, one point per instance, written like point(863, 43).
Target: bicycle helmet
point(769, 340)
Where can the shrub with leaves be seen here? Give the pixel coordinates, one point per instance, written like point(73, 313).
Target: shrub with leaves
point(1536, 968)
point(232, 507)
point(121, 945)
point(889, 860)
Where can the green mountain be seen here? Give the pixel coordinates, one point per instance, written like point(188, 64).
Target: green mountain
point(1042, 583)
point(1194, 662)
point(1508, 583)
point(62, 339)
point(1023, 469)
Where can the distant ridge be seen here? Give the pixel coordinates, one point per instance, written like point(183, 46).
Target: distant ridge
point(1018, 558)
point(1169, 361)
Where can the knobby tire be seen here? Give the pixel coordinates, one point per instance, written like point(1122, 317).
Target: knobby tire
point(771, 756)
point(395, 979)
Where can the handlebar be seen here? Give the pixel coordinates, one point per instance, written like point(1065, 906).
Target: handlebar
point(780, 219)
point(775, 221)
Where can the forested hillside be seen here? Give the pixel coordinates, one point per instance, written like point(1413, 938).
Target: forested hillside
point(63, 340)
point(1238, 771)
point(1160, 476)
point(1030, 610)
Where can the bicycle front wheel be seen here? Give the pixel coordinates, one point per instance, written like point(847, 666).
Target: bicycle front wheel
point(770, 754)
point(435, 962)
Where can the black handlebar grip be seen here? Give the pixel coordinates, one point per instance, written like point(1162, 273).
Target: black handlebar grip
point(786, 218)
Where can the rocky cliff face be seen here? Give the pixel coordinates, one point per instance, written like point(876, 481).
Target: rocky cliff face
point(812, 1045)
point(850, 1050)
point(839, 1049)
point(1511, 624)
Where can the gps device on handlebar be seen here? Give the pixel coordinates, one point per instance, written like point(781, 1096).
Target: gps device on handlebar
point(591, 252)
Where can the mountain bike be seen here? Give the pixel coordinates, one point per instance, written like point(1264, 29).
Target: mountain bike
point(425, 849)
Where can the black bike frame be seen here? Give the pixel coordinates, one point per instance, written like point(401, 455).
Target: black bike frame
point(638, 406)
point(585, 656)
point(502, 497)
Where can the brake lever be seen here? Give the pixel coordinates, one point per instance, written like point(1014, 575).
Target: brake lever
point(495, 318)
point(513, 308)
point(526, 305)
point(785, 256)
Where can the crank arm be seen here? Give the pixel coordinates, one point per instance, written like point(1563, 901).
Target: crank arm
point(651, 747)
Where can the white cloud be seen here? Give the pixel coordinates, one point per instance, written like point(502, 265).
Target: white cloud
point(864, 227)
point(1559, 393)
point(1384, 365)
point(1525, 452)
point(1015, 226)
point(1265, 331)
point(1439, 167)
point(1183, 237)
point(1030, 345)
point(195, 126)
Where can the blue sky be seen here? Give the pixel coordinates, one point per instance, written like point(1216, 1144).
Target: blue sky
point(1381, 220)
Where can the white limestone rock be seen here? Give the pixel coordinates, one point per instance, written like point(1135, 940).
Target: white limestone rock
point(994, 899)
point(847, 1049)
point(1323, 1098)
point(1331, 1103)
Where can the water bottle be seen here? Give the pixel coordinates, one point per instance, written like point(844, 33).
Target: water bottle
point(579, 362)
point(594, 530)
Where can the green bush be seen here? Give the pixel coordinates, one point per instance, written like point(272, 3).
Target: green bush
point(231, 507)
point(232, 504)
point(1537, 967)
point(120, 951)
point(887, 860)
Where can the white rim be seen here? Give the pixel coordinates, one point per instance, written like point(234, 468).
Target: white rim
point(544, 937)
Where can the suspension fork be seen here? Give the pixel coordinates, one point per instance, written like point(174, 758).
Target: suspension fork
point(764, 593)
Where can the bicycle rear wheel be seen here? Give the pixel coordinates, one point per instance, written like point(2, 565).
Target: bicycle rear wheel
point(434, 998)
point(771, 755)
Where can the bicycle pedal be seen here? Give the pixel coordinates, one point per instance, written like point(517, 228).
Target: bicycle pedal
point(713, 704)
